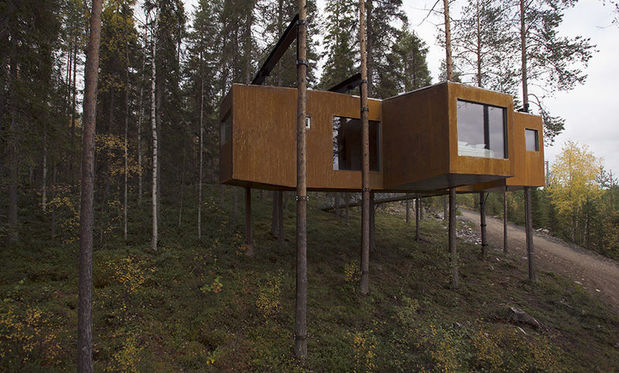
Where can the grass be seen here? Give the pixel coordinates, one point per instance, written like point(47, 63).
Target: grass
point(204, 305)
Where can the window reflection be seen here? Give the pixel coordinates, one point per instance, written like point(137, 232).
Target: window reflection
point(531, 138)
point(347, 153)
point(481, 130)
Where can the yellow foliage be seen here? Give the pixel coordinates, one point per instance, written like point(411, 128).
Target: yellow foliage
point(127, 358)
point(352, 272)
point(269, 295)
point(128, 273)
point(24, 335)
point(364, 355)
point(573, 179)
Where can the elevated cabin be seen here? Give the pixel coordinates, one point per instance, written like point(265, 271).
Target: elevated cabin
point(528, 159)
point(442, 136)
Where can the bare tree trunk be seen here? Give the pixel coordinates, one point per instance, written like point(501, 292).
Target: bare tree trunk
point(417, 216)
point(482, 217)
point(372, 222)
point(126, 155)
point(44, 180)
point(448, 59)
point(249, 237)
point(478, 45)
point(280, 220)
point(347, 211)
point(452, 238)
point(201, 152)
point(182, 191)
point(84, 320)
point(153, 114)
point(300, 323)
point(420, 208)
point(139, 129)
point(13, 155)
point(505, 221)
point(336, 203)
point(365, 169)
point(529, 232)
point(73, 104)
point(408, 211)
point(523, 52)
point(53, 219)
point(274, 214)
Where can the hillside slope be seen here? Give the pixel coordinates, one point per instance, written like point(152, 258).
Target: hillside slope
point(195, 306)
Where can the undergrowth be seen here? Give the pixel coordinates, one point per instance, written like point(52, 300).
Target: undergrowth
point(204, 305)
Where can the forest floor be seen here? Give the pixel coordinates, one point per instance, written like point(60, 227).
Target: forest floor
point(595, 273)
point(203, 305)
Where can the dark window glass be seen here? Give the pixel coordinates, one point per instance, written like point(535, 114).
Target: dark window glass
point(226, 129)
point(531, 138)
point(481, 130)
point(347, 153)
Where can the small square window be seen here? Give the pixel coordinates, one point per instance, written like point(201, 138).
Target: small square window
point(531, 138)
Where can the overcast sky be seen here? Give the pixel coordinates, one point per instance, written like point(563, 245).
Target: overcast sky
point(591, 110)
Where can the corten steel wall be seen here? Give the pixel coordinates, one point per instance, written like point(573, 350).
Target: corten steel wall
point(482, 167)
point(421, 139)
point(262, 151)
point(416, 141)
point(528, 165)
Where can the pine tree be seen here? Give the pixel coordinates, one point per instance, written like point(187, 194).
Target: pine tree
point(341, 47)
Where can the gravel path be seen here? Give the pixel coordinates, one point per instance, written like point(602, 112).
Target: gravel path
point(597, 274)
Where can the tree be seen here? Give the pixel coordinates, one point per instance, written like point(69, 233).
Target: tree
point(382, 33)
point(549, 60)
point(84, 328)
point(484, 47)
point(340, 48)
point(574, 184)
point(408, 59)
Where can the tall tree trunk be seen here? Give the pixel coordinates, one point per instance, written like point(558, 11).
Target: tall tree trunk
point(478, 46)
point(44, 177)
point(139, 129)
point(452, 238)
point(73, 105)
point(84, 319)
point(13, 156)
point(347, 208)
point(274, 212)
point(417, 216)
point(153, 115)
point(182, 191)
point(505, 221)
point(300, 323)
point(523, 53)
point(372, 222)
point(369, 47)
point(448, 58)
point(482, 224)
point(201, 147)
point(365, 169)
point(249, 236)
point(280, 220)
point(126, 155)
point(408, 210)
point(529, 233)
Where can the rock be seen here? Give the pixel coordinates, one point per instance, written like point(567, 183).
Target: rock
point(518, 316)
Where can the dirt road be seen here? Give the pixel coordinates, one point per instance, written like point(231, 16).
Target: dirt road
point(597, 274)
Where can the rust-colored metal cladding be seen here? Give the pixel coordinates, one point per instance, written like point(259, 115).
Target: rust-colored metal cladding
point(528, 157)
point(426, 141)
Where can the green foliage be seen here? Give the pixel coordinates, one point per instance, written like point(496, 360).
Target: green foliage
point(152, 313)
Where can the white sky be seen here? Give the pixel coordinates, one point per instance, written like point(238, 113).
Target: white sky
point(591, 110)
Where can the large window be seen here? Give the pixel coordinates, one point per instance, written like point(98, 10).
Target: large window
point(226, 129)
point(531, 139)
point(347, 153)
point(482, 130)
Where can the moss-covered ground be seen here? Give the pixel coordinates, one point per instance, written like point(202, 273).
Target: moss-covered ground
point(206, 306)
